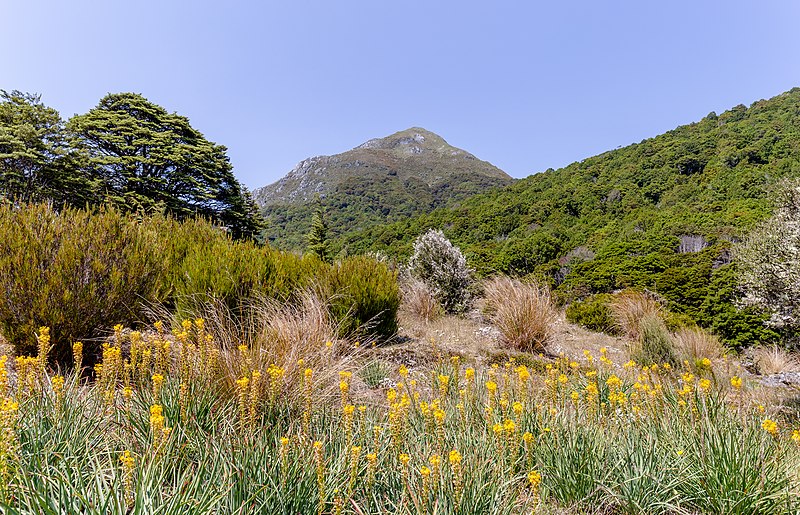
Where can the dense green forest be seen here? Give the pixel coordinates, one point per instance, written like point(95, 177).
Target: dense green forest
point(661, 214)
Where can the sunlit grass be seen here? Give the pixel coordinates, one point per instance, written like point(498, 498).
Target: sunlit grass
point(161, 430)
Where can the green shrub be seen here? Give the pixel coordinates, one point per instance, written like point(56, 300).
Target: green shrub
point(75, 272)
point(81, 272)
point(293, 273)
point(593, 313)
point(223, 270)
point(364, 296)
point(677, 321)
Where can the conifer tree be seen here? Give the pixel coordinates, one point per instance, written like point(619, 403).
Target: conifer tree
point(151, 160)
point(37, 162)
point(318, 236)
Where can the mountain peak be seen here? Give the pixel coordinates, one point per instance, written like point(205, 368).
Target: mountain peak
point(410, 141)
point(409, 172)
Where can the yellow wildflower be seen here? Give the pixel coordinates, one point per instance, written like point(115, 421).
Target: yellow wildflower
point(770, 426)
point(736, 382)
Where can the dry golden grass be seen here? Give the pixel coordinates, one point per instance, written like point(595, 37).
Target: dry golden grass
point(290, 336)
point(5, 348)
point(696, 343)
point(628, 309)
point(522, 312)
point(775, 360)
point(418, 301)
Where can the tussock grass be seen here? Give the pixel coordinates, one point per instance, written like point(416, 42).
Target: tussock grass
point(695, 343)
point(418, 301)
point(522, 312)
point(775, 360)
point(265, 332)
point(629, 308)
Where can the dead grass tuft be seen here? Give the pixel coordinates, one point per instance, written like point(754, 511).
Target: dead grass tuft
point(695, 343)
point(629, 308)
point(522, 312)
point(292, 336)
point(418, 301)
point(775, 360)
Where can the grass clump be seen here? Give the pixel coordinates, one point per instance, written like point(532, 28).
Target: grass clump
point(629, 308)
point(695, 344)
point(775, 360)
point(654, 343)
point(522, 312)
point(418, 301)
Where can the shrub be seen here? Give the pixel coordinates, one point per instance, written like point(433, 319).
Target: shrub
point(81, 272)
point(523, 313)
point(769, 261)
point(654, 344)
point(630, 307)
point(593, 313)
point(443, 268)
point(222, 270)
point(365, 296)
point(75, 272)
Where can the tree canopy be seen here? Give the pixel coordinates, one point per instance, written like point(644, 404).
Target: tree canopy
point(151, 160)
point(37, 161)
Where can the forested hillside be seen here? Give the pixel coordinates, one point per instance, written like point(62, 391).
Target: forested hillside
point(660, 214)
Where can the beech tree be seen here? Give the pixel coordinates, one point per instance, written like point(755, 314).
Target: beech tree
point(151, 160)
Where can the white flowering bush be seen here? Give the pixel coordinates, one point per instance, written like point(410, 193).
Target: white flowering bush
point(768, 261)
point(442, 267)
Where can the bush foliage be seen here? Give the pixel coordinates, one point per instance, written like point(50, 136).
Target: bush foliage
point(76, 272)
point(82, 272)
point(442, 266)
point(365, 296)
point(593, 313)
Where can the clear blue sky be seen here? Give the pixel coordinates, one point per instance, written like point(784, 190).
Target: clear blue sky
point(525, 85)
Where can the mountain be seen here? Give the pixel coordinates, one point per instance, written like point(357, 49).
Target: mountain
point(660, 214)
point(383, 180)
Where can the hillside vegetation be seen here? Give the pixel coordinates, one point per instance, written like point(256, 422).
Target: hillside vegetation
point(660, 214)
point(385, 179)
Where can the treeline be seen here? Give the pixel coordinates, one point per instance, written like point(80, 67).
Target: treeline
point(127, 153)
point(661, 215)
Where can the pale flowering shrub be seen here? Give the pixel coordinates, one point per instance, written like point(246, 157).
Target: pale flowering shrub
point(768, 261)
point(442, 267)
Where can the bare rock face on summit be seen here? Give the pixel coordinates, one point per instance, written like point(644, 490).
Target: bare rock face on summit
point(383, 180)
